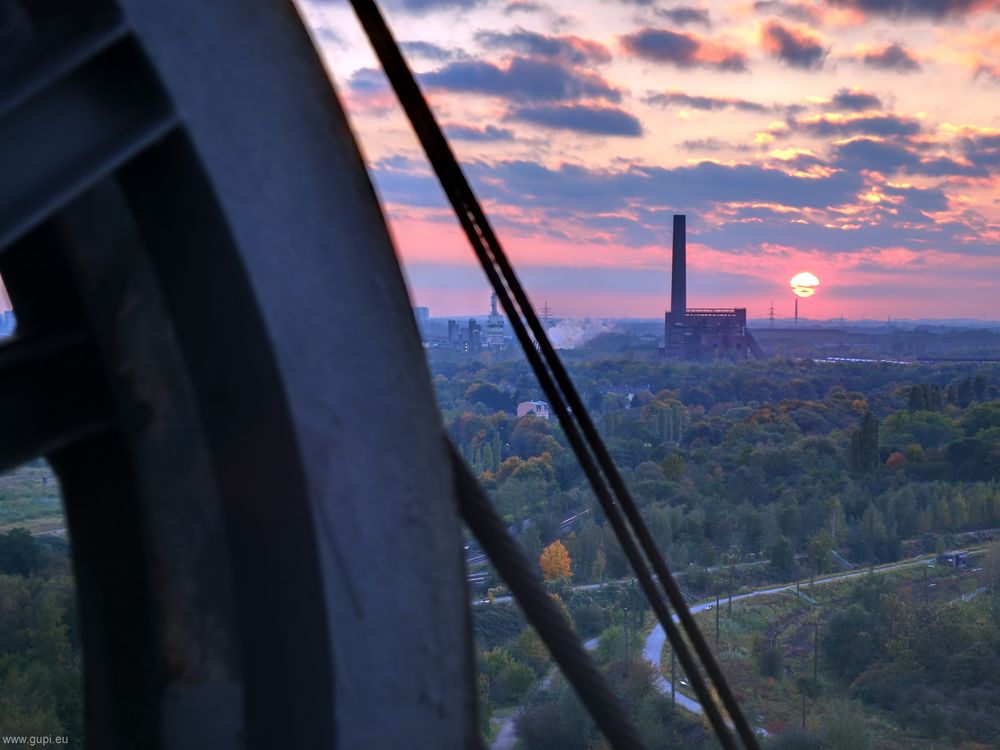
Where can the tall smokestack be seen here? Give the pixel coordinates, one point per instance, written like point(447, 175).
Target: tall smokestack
point(678, 275)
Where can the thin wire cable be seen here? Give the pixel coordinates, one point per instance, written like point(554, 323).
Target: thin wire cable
point(556, 382)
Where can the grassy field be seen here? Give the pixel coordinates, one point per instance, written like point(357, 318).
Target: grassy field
point(29, 497)
point(788, 624)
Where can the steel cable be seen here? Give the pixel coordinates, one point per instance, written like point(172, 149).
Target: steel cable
point(558, 387)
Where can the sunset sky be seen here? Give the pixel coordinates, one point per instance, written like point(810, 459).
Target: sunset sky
point(856, 139)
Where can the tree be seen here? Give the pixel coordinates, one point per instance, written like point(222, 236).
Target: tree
point(864, 455)
point(838, 521)
point(981, 417)
point(484, 708)
point(555, 562)
point(706, 554)
point(850, 641)
point(965, 393)
point(979, 387)
point(782, 558)
point(926, 428)
point(820, 551)
point(770, 659)
point(673, 467)
point(991, 568)
point(19, 552)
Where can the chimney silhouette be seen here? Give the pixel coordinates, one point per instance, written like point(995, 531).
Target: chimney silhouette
point(678, 275)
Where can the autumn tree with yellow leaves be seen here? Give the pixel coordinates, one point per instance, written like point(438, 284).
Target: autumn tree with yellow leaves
point(555, 562)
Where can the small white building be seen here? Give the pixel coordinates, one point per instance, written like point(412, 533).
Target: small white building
point(538, 408)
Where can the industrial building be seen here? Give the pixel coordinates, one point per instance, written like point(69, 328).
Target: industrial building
point(496, 340)
point(471, 338)
point(701, 333)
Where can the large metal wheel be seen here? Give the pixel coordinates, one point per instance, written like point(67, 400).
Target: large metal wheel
point(216, 353)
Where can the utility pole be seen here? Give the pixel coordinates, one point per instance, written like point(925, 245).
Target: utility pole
point(625, 625)
point(771, 316)
point(673, 677)
point(927, 590)
point(717, 618)
point(815, 657)
point(871, 543)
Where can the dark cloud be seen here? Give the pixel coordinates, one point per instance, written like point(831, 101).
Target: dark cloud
point(407, 182)
point(402, 163)
point(982, 149)
point(581, 118)
point(368, 81)
point(855, 101)
point(523, 6)
point(801, 161)
point(894, 57)
point(888, 158)
point(487, 134)
point(792, 11)
point(880, 125)
point(420, 7)
point(925, 8)
point(793, 47)
point(527, 79)
point(555, 20)
point(633, 205)
point(429, 51)
point(878, 156)
point(712, 144)
point(990, 73)
point(623, 229)
point(943, 166)
point(683, 49)
point(682, 15)
point(704, 103)
point(901, 224)
point(570, 49)
point(922, 199)
point(527, 183)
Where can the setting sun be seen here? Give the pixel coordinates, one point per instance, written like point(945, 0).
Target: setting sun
point(804, 284)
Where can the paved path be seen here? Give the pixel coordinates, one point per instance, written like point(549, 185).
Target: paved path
point(653, 648)
point(507, 736)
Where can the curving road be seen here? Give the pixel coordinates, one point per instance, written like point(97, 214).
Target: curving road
point(652, 650)
point(653, 647)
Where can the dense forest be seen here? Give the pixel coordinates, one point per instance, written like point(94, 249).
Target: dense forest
point(937, 669)
point(772, 458)
point(744, 474)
